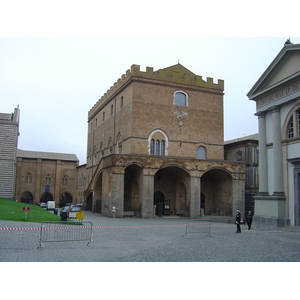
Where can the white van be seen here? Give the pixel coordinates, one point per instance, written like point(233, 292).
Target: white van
point(50, 205)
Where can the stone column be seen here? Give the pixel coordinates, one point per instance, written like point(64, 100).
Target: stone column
point(117, 194)
point(148, 194)
point(263, 161)
point(195, 197)
point(277, 153)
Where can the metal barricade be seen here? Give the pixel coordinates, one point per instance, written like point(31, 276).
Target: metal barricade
point(65, 232)
point(197, 226)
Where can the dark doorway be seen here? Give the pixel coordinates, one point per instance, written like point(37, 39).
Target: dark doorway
point(65, 199)
point(27, 198)
point(46, 197)
point(159, 200)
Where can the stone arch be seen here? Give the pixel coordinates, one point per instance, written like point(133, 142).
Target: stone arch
point(160, 135)
point(46, 196)
point(290, 116)
point(133, 181)
point(216, 186)
point(174, 182)
point(26, 197)
point(65, 198)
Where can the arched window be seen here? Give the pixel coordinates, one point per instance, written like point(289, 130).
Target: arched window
point(152, 146)
point(293, 126)
point(64, 180)
point(180, 98)
point(48, 179)
point(201, 153)
point(28, 178)
point(158, 143)
point(157, 147)
point(162, 147)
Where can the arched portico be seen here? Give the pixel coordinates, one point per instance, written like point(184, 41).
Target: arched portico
point(133, 179)
point(46, 197)
point(174, 183)
point(216, 189)
point(65, 198)
point(27, 197)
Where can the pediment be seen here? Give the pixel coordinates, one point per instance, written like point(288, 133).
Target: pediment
point(285, 66)
point(180, 69)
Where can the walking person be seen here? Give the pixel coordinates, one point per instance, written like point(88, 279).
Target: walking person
point(238, 221)
point(249, 219)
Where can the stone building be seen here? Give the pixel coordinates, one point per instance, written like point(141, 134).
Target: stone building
point(156, 147)
point(245, 149)
point(45, 176)
point(9, 132)
point(277, 97)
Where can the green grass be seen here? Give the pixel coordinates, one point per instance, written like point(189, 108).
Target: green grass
point(12, 211)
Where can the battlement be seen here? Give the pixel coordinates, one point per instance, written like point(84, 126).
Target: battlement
point(176, 74)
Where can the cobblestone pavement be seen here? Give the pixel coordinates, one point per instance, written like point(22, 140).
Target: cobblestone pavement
point(151, 240)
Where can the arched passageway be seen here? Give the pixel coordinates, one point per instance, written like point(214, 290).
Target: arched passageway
point(216, 187)
point(133, 179)
point(46, 197)
point(27, 197)
point(170, 188)
point(65, 199)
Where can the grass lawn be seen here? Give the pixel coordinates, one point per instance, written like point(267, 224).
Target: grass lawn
point(12, 211)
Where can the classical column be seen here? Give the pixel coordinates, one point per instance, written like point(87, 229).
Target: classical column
point(277, 153)
point(263, 161)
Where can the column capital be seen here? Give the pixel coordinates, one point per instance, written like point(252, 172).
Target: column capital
point(274, 109)
point(260, 114)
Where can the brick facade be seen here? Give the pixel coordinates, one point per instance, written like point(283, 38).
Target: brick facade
point(156, 147)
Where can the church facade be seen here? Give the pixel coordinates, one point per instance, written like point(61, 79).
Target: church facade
point(277, 97)
point(156, 148)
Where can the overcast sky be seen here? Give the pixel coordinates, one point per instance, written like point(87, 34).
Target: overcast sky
point(56, 81)
point(57, 60)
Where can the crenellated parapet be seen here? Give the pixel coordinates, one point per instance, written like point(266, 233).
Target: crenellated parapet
point(175, 74)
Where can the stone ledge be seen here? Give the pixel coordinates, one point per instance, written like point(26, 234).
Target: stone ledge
point(269, 223)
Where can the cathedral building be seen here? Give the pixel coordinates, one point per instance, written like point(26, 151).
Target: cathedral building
point(156, 148)
point(277, 97)
point(9, 133)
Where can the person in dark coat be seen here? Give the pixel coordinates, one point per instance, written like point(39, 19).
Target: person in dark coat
point(249, 219)
point(238, 221)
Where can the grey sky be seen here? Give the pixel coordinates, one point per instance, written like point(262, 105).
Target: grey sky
point(57, 80)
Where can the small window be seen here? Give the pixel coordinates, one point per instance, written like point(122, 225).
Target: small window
point(291, 129)
point(111, 110)
point(157, 147)
point(293, 126)
point(122, 101)
point(180, 99)
point(103, 116)
point(28, 178)
point(48, 179)
point(64, 180)
point(201, 153)
point(239, 156)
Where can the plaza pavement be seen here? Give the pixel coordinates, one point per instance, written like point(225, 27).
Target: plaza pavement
point(151, 240)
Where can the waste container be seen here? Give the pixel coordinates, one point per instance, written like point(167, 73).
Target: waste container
point(55, 211)
point(63, 216)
